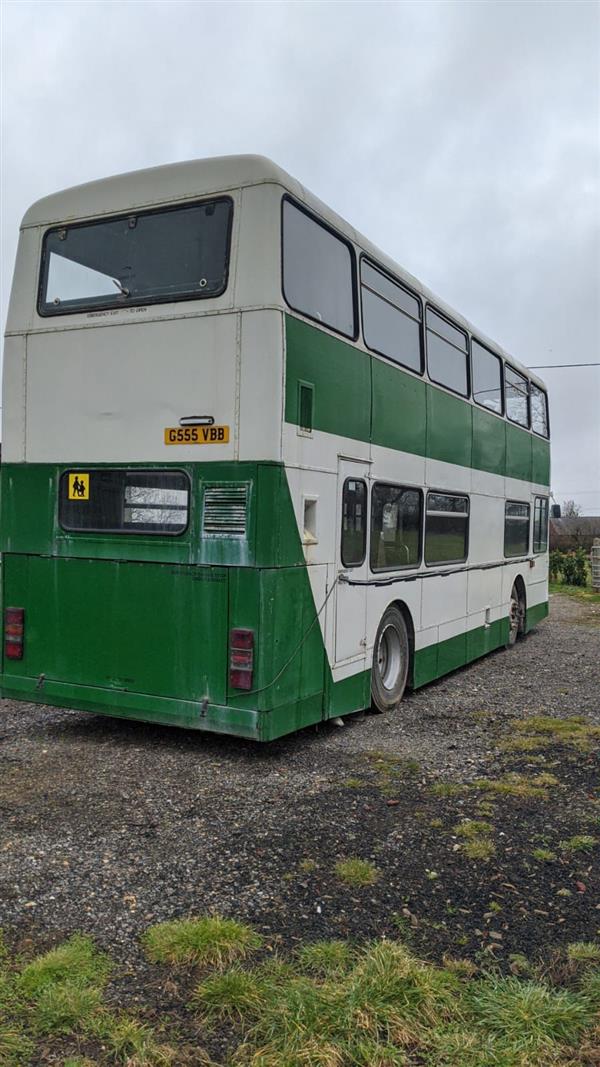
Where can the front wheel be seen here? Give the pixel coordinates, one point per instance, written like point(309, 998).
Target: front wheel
point(390, 661)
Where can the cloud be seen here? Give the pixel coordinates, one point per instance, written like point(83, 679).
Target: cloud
point(463, 138)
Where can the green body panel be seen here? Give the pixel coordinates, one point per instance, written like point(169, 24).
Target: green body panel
point(335, 370)
point(399, 409)
point(407, 413)
point(535, 615)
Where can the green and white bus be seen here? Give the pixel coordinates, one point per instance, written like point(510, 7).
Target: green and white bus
point(255, 475)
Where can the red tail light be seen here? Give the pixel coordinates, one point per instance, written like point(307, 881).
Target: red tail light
point(14, 628)
point(241, 658)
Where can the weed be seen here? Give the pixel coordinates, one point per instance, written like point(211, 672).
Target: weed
point(326, 957)
point(307, 866)
point(518, 785)
point(356, 872)
point(235, 995)
point(479, 849)
point(471, 828)
point(579, 843)
point(210, 941)
point(436, 824)
point(354, 783)
point(544, 855)
point(584, 952)
point(447, 789)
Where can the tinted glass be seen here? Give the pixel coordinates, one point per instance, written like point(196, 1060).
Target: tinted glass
point(516, 529)
point(487, 378)
point(516, 396)
point(317, 271)
point(446, 330)
point(390, 332)
point(446, 364)
point(539, 410)
point(390, 291)
point(446, 528)
point(145, 258)
point(121, 501)
point(540, 524)
point(395, 527)
point(354, 522)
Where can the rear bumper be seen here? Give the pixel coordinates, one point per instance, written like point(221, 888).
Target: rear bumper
point(169, 711)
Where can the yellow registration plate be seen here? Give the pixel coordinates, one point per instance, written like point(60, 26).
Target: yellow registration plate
point(196, 435)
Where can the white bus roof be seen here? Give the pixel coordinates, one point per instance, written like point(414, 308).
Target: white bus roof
point(154, 186)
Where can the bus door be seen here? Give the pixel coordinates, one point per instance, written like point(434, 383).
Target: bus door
point(351, 563)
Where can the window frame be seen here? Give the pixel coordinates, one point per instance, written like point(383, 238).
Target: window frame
point(521, 503)
point(544, 392)
point(349, 566)
point(364, 258)
point(344, 240)
point(95, 531)
point(406, 566)
point(542, 500)
point(467, 352)
point(44, 261)
point(444, 492)
point(521, 426)
point(499, 414)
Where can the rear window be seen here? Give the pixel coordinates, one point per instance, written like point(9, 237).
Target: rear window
point(144, 258)
point(124, 501)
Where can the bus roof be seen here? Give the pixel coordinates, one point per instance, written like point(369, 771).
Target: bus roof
point(172, 182)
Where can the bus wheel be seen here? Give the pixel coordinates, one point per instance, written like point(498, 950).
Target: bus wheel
point(390, 661)
point(516, 617)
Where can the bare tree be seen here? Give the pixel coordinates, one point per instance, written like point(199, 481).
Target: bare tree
point(570, 509)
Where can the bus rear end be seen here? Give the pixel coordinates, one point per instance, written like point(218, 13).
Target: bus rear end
point(147, 532)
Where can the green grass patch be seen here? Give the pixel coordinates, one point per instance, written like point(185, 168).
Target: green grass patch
point(326, 958)
point(307, 866)
point(356, 872)
point(448, 789)
point(543, 855)
point(479, 848)
point(541, 731)
point(584, 952)
point(518, 785)
point(579, 592)
point(208, 941)
point(579, 843)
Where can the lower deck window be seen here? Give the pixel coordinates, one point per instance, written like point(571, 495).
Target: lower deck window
point(354, 522)
point(516, 529)
point(124, 501)
point(395, 527)
point(540, 524)
point(446, 528)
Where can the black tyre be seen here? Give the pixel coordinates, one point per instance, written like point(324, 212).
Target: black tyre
point(516, 617)
point(391, 657)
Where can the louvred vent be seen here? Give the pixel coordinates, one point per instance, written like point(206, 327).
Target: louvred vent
point(225, 510)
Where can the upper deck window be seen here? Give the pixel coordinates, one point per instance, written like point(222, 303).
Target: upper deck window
point(517, 405)
point(153, 257)
point(487, 378)
point(539, 410)
point(318, 271)
point(391, 318)
point(447, 349)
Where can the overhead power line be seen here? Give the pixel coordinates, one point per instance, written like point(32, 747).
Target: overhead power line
point(551, 366)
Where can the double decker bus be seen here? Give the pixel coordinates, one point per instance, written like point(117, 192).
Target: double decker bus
point(255, 475)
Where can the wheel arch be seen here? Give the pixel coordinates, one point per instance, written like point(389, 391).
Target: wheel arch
point(410, 626)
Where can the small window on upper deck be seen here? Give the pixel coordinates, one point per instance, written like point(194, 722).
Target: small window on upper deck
point(517, 405)
point(447, 354)
point(487, 378)
point(146, 258)
point(539, 410)
point(318, 271)
point(391, 318)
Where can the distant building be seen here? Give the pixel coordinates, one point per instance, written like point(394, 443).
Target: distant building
point(577, 531)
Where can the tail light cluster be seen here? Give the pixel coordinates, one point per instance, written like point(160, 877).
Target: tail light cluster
point(14, 630)
point(241, 658)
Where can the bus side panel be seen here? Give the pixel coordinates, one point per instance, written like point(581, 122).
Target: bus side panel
point(154, 629)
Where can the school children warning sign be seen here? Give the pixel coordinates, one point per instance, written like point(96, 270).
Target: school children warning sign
point(79, 486)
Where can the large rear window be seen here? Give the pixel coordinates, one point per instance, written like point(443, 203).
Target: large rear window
point(124, 501)
point(178, 254)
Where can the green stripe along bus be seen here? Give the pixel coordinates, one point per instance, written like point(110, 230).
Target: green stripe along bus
point(254, 475)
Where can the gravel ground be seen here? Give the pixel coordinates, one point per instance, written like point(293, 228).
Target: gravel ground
point(109, 826)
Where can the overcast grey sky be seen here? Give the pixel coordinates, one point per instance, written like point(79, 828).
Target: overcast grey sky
point(463, 138)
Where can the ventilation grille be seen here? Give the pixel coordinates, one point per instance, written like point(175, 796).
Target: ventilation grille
point(225, 508)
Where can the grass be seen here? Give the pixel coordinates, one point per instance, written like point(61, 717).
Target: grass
point(356, 872)
point(579, 843)
point(207, 941)
point(330, 1004)
point(476, 845)
point(543, 855)
point(541, 731)
point(579, 592)
point(518, 785)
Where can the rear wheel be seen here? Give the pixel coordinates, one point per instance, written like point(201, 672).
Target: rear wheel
point(390, 661)
point(516, 616)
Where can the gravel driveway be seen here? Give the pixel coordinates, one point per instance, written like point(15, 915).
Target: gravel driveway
point(108, 826)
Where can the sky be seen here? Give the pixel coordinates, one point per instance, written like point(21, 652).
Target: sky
point(462, 138)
